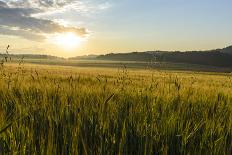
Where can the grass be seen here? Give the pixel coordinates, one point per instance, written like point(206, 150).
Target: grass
point(130, 64)
point(65, 110)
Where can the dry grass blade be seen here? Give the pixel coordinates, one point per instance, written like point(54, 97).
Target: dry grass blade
point(109, 98)
point(5, 128)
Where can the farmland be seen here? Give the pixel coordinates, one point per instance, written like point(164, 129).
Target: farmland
point(48, 109)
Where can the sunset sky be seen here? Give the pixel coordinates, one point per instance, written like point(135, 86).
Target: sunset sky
point(79, 27)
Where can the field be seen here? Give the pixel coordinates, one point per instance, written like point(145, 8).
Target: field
point(85, 110)
point(129, 64)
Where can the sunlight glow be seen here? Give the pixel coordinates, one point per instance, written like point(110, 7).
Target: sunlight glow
point(66, 40)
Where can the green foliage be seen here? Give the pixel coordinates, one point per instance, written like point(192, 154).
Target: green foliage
point(46, 110)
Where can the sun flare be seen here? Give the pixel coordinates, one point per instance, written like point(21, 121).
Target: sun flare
point(66, 40)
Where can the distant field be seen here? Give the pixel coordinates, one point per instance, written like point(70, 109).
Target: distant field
point(128, 64)
point(47, 109)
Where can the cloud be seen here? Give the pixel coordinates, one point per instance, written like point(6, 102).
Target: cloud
point(2, 4)
point(21, 33)
point(42, 4)
point(16, 18)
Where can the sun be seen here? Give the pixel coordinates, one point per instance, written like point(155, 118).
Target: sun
point(66, 40)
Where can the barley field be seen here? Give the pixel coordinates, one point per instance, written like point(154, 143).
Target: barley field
point(86, 110)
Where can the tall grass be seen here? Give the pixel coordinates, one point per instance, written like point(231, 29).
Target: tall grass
point(61, 111)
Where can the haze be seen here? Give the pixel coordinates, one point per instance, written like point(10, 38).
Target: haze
point(105, 26)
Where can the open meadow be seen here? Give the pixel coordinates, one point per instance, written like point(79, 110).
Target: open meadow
point(84, 110)
point(115, 77)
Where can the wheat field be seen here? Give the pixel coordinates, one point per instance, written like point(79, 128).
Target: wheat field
point(65, 110)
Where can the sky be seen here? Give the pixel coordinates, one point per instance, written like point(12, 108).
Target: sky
point(80, 27)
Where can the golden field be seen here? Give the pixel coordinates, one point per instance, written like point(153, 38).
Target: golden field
point(86, 110)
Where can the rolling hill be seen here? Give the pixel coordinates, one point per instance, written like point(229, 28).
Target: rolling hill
point(227, 50)
point(218, 57)
point(29, 56)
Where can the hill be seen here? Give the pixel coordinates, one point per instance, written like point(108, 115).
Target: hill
point(218, 58)
point(29, 56)
point(227, 50)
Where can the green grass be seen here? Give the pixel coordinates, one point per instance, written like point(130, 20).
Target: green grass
point(65, 110)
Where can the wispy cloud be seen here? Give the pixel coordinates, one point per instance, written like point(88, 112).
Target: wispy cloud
point(22, 17)
point(39, 4)
point(10, 31)
point(77, 6)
